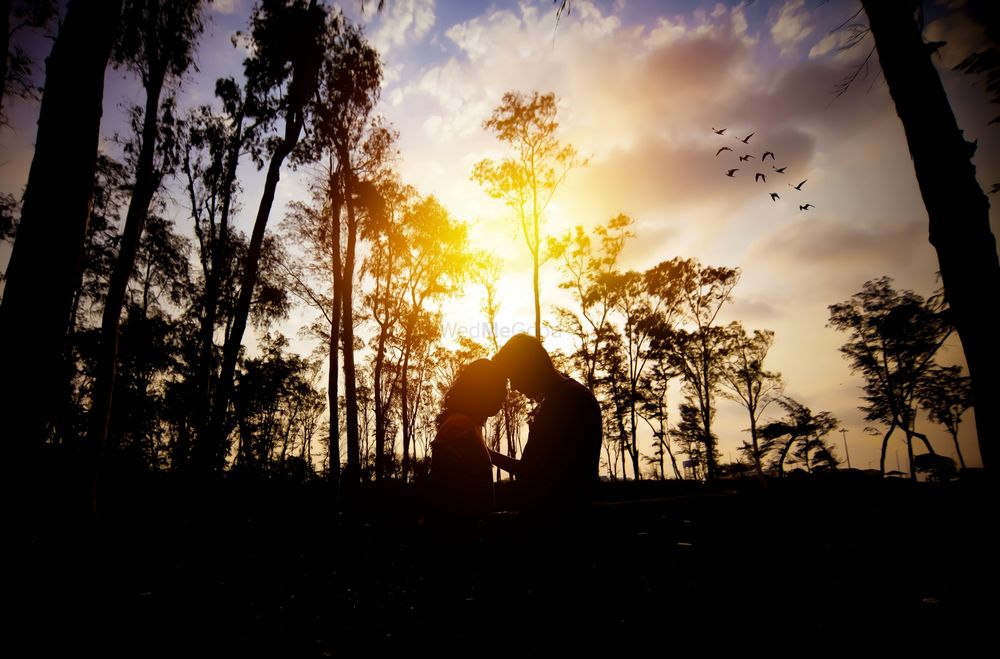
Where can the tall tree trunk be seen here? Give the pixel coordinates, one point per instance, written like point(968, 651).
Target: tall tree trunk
point(885, 445)
point(333, 382)
point(633, 444)
point(146, 183)
point(957, 209)
point(756, 446)
point(213, 281)
point(380, 407)
point(45, 262)
point(347, 333)
point(211, 454)
point(958, 449)
point(706, 415)
point(405, 403)
point(909, 455)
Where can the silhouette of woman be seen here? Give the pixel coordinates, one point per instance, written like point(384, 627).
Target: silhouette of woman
point(461, 477)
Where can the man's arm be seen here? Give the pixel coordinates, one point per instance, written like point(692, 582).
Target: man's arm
point(507, 463)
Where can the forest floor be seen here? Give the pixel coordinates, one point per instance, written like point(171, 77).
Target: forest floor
point(269, 569)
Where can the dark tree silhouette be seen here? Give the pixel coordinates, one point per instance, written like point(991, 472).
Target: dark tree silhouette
point(289, 39)
point(803, 431)
point(697, 349)
point(690, 436)
point(894, 337)
point(745, 380)
point(277, 409)
point(350, 82)
point(212, 147)
point(945, 394)
point(957, 208)
point(386, 302)
point(435, 263)
point(157, 43)
point(44, 267)
point(15, 63)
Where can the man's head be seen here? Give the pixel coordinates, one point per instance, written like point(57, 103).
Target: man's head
point(527, 364)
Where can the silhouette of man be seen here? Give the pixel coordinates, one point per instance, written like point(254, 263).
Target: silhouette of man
point(558, 467)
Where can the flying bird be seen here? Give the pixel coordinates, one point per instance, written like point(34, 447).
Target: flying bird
point(758, 176)
point(780, 170)
point(799, 186)
point(725, 148)
point(746, 140)
point(774, 196)
point(731, 172)
point(746, 157)
point(766, 154)
point(806, 207)
point(718, 131)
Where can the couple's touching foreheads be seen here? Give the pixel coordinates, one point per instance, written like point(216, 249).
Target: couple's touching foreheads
point(557, 471)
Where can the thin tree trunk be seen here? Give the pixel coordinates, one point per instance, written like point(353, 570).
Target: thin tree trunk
point(885, 445)
point(347, 334)
point(404, 404)
point(957, 209)
point(633, 445)
point(958, 449)
point(909, 455)
point(146, 183)
point(707, 418)
point(45, 262)
point(535, 288)
point(212, 453)
point(333, 379)
point(213, 280)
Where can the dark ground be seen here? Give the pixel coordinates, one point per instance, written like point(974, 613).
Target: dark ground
point(267, 569)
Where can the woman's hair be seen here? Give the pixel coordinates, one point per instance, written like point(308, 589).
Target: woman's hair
point(478, 385)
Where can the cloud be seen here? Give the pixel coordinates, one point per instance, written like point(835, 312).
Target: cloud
point(791, 26)
point(828, 43)
point(963, 35)
point(402, 23)
point(225, 6)
point(833, 253)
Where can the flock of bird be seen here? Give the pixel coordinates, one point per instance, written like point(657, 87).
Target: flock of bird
point(759, 176)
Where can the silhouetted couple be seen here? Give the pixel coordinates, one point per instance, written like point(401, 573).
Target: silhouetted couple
point(555, 477)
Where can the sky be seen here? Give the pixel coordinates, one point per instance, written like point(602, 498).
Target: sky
point(640, 86)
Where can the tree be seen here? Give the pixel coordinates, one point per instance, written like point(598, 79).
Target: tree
point(157, 43)
point(697, 351)
point(804, 432)
point(350, 81)
point(745, 381)
point(277, 408)
point(527, 182)
point(945, 394)
point(15, 64)
point(436, 260)
point(44, 266)
point(212, 146)
point(289, 39)
point(385, 301)
point(957, 208)
point(893, 337)
point(653, 409)
point(486, 273)
point(588, 270)
point(690, 436)
point(644, 308)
